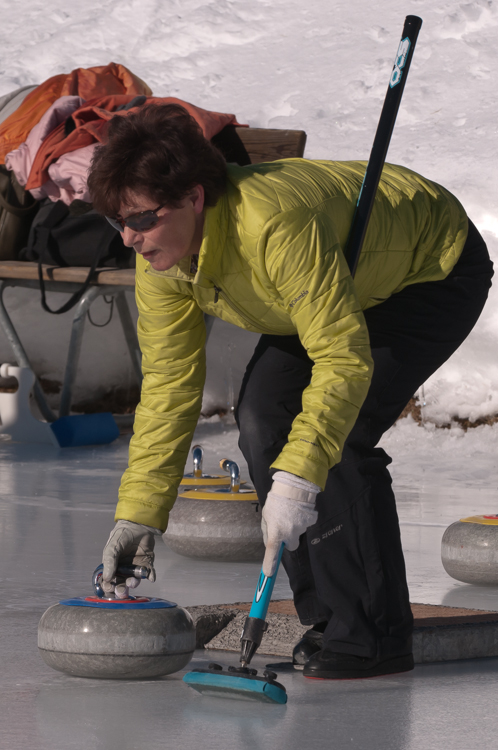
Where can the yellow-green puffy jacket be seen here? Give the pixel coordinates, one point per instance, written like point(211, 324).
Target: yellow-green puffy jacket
point(272, 261)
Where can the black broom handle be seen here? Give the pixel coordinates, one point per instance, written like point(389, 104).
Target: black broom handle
point(382, 139)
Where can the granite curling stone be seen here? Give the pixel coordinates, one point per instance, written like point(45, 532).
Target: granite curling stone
point(469, 550)
point(222, 525)
point(116, 639)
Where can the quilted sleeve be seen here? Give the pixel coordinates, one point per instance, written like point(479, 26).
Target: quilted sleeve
point(306, 265)
point(172, 336)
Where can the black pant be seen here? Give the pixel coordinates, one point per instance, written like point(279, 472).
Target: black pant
point(349, 568)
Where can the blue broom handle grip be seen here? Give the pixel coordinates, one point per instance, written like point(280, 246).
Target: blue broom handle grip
point(264, 590)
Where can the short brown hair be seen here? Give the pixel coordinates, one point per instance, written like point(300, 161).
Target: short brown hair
point(158, 151)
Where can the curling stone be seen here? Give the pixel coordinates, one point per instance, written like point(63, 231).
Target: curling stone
point(217, 524)
point(469, 550)
point(116, 639)
point(197, 479)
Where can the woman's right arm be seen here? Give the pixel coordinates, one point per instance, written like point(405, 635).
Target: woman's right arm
point(172, 337)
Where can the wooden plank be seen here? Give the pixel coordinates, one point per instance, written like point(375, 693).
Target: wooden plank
point(264, 144)
point(14, 269)
point(254, 145)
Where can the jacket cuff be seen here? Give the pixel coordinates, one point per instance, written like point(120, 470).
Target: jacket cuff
point(148, 515)
point(302, 467)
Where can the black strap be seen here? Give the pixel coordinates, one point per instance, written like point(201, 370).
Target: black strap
point(16, 210)
point(56, 215)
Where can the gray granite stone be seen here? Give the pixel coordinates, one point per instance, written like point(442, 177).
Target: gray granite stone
point(452, 642)
point(116, 644)
point(284, 631)
point(469, 553)
point(430, 644)
point(209, 621)
point(102, 667)
point(219, 530)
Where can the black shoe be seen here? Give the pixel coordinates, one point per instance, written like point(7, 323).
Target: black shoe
point(310, 643)
point(329, 665)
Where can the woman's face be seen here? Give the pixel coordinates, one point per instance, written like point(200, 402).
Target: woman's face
point(177, 234)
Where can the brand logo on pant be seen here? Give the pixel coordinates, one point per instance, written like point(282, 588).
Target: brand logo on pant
point(328, 533)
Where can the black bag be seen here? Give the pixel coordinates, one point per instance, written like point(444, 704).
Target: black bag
point(74, 235)
point(17, 210)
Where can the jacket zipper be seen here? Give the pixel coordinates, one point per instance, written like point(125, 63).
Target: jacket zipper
point(218, 292)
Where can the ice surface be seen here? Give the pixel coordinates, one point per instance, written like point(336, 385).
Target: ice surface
point(56, 510)
point(322, 67)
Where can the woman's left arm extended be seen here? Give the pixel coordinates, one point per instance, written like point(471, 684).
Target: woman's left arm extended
point(172, 336)
point(306, 265)
point(307, 268)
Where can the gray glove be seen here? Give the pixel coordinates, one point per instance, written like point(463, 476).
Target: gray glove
point(289, 510)
point(129, 544)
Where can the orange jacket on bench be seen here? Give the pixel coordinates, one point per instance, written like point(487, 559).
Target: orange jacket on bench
point(85, 82)
point(91, 125)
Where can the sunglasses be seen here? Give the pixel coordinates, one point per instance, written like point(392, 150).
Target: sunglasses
point(140, 222)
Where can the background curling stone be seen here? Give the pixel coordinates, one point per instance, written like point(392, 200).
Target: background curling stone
point(469, 550)
point(223, 525)
point(116, 639)
point(197, 479)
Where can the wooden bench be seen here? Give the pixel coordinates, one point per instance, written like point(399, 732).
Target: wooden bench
point(239, 145)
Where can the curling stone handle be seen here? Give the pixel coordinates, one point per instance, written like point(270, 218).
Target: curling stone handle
point(197, 454)
point(231, 468)
point(133, 571)
point(125, 571)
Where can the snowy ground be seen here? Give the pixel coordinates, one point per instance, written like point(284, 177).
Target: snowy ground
point(320, 66)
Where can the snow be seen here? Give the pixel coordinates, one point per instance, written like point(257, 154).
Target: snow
point(322, 67)
point(429, 459)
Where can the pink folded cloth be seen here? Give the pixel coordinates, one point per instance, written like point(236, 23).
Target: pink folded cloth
point(68, 177)
point(54, 164)
point(21, 159)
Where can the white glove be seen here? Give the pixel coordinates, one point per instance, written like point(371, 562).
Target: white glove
point(129, 544)
point(287, 513)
